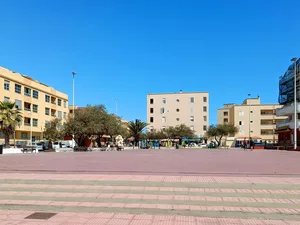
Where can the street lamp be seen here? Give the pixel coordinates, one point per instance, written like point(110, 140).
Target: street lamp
point(73, 112)
point(249, 118)
point(295, 102)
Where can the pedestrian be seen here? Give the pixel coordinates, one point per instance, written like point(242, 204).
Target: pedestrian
point(251, 144)
point(245, 144)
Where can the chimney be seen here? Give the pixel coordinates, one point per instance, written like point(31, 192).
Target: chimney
point(180, 91)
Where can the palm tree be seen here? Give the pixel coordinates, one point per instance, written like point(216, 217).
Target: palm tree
point(10, 117)
point(136, 129)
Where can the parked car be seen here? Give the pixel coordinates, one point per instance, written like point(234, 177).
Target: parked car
point(39, 146)
point(202, 145)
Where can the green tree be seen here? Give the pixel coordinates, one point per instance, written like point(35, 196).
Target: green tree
point(221, 130)
point(156, 134)
point(136, 129)
point(53, 130)
point(180, 131)
point(10, 117)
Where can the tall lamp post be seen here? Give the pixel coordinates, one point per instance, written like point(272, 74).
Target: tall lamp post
point(295, 102)
point(249, 118)
point(73, 110)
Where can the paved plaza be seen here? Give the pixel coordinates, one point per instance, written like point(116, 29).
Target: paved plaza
point(151, 187)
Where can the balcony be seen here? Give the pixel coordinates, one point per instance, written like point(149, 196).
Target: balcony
point(287, 124)
point(27, 109)
point(53, 102)
point(287, 110)
point(27, 124)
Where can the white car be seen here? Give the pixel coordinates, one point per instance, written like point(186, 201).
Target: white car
point(202, 145)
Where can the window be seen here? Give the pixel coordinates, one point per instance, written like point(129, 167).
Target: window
point(35, 94)
point(162, 110)
point(241, 123)
point(27, 91)
point(6, 85)
point(204, 99)
point(225, 113)
point(35, 108)
point(205, 118)
point(65, 115)
point(192, 118)
point(177, 110)
point(241, 113)
point(204, 109)
point(251, 121)
point(151, 129)
point(18, 104)
point(35, 122)
point(164, 101)
point(225, 120)
point(151, 101)
point(24, 135)
point(163, 128)
point(204, 127)
point(177, 119)
point(65, 104)
point(151, 119)
point(6, 99)
point(59, 102)
point(47, 98)
point(151, 110)
point(164, 119)
point(192, 99)
point(192, 127)
point(252, 112)
point(59, 115)
point(47, 111)
point(177, 100)
point(18, 88)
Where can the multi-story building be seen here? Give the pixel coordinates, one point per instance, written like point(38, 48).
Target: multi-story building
point(285, 129)
point(172, 109)
point(38, 103)
point(253, 119)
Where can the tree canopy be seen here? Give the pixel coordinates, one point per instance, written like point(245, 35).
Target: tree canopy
point(53, 130)
point(180, 131)
point(221, 130)
point(136, 129)
point(93, 122)
point(10, 117)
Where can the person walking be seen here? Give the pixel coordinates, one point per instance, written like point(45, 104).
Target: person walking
point(245, 144)
point(251, 144)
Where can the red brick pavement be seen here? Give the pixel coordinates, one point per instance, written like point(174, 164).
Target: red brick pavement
point(232, 161)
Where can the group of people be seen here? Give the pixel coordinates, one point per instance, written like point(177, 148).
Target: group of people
point(251, 143)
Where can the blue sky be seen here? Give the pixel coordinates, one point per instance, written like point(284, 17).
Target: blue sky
point(126, 49)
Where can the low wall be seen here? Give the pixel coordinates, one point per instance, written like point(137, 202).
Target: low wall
point(12, 150)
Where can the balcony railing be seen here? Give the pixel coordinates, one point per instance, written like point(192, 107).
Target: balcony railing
point(265, 124)
point(27, 124)
point(27, 109)
point(53, 102)
point(52, 114)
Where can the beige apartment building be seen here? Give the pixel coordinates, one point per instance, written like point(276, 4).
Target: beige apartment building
point(38, 103)
point(252, 118)
point(171, 109)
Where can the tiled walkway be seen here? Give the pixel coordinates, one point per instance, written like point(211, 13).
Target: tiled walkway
point(149, 200)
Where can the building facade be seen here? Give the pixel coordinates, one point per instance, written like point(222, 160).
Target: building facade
point(172, 109)
point(38, 103)
point(253, 119)
point(285, 129)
